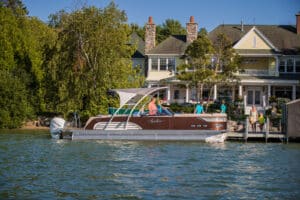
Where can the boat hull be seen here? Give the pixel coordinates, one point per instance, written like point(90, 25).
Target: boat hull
point(150, 135)
point(206, 122)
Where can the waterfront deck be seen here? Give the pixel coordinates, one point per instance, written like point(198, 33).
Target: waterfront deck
point(275, 136)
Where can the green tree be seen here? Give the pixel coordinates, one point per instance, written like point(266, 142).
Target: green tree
point(13, 101)
point(169, 27)
point(140, 31)
point(225, 60)
point(197, 72)
point(91, 56)
point(210, 63)
point(22, 41)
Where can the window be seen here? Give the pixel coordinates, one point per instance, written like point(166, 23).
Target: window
point(163, 64)
point(297, 66)
point(154, 64)
point(171, 64)
point(290, 65)
point(176, 94)
point(282, 66)
point(257, 97)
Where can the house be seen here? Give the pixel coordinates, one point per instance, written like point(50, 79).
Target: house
point(138, 58)
point(270, 57)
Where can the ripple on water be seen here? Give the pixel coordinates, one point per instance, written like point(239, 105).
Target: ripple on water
point(33, 166)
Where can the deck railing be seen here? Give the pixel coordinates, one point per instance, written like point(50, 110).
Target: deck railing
point(258, 72)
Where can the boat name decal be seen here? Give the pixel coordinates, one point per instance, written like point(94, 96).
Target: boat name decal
point(155, 121)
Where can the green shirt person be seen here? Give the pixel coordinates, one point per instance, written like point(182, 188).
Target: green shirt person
point(261, 121)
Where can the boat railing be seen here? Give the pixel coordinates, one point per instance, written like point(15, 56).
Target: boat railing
point(129, 103)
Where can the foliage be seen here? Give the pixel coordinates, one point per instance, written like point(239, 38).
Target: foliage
point(91, 56)
point(197, 72)
point(13, 101)
point(209, 63)
point(22, 42)
point(182, 108)
point(140, 31)
point(64, 67)
point(224, 59)
point(169, 27)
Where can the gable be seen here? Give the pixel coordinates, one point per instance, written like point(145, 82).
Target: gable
point(254, 39)
point(174, 44)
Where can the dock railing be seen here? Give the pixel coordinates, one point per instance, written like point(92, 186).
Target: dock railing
point(264, 133)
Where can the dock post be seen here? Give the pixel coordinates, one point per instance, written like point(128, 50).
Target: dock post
point(246, 129)
point(267, 129)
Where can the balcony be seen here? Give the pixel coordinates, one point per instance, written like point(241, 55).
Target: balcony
point(257, 72)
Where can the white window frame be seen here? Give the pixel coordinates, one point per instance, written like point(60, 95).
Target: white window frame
point(159, 62)
point(285, 60)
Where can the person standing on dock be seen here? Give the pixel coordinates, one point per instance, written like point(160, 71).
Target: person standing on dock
point(152, 107)
point(261, 121)
point(253, 118)
point(199, 108)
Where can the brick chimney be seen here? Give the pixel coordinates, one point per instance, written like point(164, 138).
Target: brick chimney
point(150, 35)
point(298, 23)
point(192, 30)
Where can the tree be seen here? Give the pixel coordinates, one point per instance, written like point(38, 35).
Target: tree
point(140, 31)
point(225, 59)
point(16, 6)
point(13, 101)
point(209, 63)
point(22, 42)
point(197, 72)
point(169, 27)
point(91, 56)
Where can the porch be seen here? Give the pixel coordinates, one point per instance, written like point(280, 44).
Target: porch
point(252, 92)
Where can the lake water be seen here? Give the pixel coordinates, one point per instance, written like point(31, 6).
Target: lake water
point(34, 166)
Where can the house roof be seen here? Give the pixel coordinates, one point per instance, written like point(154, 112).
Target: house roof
point(137, 40)
point(283, 37)
point(175, 44)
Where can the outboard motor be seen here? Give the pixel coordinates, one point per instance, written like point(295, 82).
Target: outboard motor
point(57, 125)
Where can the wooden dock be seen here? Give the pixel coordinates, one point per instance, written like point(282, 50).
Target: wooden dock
point(265, 135)
point(242, 136)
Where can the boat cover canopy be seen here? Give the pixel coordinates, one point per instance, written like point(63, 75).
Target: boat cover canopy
point(127, 94)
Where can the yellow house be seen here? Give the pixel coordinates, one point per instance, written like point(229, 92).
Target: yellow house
point(270, 61)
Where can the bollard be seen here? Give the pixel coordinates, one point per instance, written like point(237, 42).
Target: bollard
point(246, 129)
point(267, 127)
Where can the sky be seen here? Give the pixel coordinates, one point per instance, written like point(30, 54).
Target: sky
point(207, 13)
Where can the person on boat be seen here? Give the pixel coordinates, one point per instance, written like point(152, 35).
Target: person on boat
point(159, 106)
point(223, 107)
point(253, 117)
point(152, 107)
point(199, 108)
point(261, 121)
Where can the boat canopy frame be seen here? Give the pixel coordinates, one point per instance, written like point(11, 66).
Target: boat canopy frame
point(128, 94)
